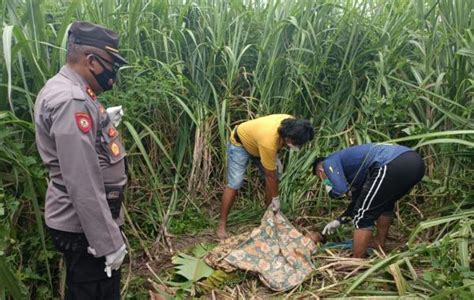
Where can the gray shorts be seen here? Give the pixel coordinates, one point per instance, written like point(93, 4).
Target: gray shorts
point(237, 161)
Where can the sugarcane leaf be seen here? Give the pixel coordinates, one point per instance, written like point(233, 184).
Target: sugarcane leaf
point(15, 288)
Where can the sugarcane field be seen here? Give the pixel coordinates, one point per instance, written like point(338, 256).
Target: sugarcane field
point(237, 149)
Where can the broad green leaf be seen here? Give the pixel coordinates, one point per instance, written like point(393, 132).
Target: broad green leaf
point(191, 268)
point(202, 249)
point(218, 279)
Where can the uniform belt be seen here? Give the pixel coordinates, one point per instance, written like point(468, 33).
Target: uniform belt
point(236, 135)
point(113, 194)
point(68, 241)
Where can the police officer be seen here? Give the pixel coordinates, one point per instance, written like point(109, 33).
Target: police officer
point(82, 150)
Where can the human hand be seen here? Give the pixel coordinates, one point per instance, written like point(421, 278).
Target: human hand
point(331, 227)
point(275, 203)
point(114, 260)
point(115, 114)
point(91, 251)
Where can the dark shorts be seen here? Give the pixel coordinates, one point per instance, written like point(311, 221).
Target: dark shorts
point(85, 276)
point(384, 186)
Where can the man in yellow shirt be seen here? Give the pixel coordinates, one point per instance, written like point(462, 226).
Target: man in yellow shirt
point(260, 139)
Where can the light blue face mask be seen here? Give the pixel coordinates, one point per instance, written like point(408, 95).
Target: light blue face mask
point(328, 185)
point(327, 182)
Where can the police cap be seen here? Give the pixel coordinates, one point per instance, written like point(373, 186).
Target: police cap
point(85, 33)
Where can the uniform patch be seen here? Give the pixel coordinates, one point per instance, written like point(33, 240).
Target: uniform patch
point(83, 121)
point(91, 93)
point(112, 132)
point(114, 148)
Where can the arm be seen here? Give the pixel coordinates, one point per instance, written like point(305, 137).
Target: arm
point(268, 157)
point(271, 185)
point(82, 175)
point(335, 173)
point(348, 213)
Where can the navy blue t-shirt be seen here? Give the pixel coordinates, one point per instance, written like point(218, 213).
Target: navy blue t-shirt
point(348, 167)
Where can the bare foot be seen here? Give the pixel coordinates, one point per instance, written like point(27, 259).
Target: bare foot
point(221, 233)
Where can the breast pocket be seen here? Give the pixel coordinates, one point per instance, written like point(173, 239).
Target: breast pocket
point(111, 143)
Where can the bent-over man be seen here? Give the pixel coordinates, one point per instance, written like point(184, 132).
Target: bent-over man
point(260, 140)
point(374, 177)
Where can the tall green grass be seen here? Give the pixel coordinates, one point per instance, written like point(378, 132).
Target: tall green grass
point(362, 71)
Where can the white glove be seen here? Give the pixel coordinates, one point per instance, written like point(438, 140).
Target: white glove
point(331, 227)
point(91, 250)
point(275, 203)
point(114, 260)
point(115, 114)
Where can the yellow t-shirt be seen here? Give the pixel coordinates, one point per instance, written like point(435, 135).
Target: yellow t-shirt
point(260, 138)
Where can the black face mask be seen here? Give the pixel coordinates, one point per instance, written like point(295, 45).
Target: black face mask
point(104, 77)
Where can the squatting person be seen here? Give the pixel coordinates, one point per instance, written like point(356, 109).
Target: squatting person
point(374, 177)
point(260, 140)
point(82, 150)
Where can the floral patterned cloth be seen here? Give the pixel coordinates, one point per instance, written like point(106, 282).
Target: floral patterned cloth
point(276, 250)
point(215, 258)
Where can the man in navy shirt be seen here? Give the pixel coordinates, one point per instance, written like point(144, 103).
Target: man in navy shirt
point(374, 177)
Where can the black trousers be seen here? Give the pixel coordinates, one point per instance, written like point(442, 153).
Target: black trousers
point(85, 276)
point(384, 186)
